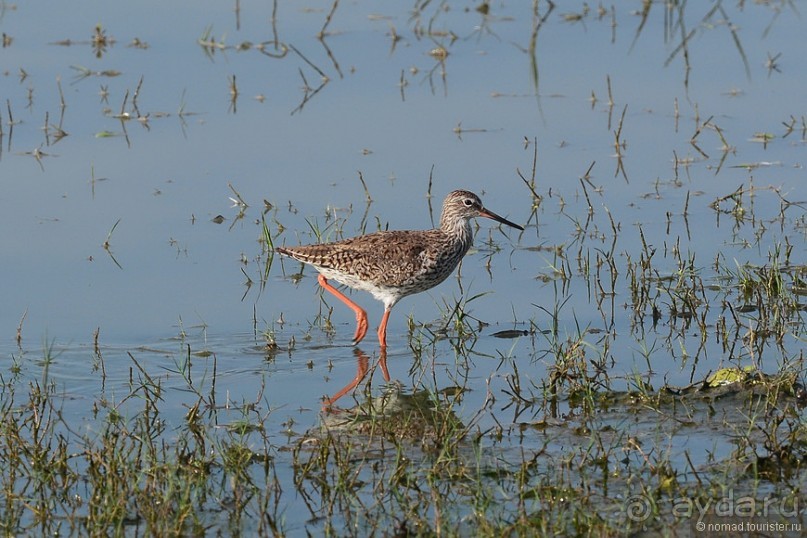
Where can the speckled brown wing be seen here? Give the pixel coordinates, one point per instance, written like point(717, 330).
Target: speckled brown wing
point(383, 258)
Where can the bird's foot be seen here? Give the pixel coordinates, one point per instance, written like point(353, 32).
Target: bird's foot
point(361, 326)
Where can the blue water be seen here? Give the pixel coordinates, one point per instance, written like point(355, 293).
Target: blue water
point(471, 121)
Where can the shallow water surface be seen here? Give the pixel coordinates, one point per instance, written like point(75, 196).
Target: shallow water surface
point(655, 160)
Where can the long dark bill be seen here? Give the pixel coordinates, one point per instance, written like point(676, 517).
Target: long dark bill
point(491, 215)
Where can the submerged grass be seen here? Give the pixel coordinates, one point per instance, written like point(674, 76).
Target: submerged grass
point(127, 471)
point(560, 443)
point(576, 455)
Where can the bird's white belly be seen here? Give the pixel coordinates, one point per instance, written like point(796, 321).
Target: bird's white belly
point(386, 295)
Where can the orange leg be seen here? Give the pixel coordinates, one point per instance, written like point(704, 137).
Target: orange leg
point(361, 315)
point(382, 330)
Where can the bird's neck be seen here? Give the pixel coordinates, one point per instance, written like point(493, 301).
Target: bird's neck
point(458, 229)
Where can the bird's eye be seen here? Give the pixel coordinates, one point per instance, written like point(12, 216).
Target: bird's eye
point(468, 202)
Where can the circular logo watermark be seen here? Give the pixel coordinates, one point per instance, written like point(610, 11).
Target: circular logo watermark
point(638, 508)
